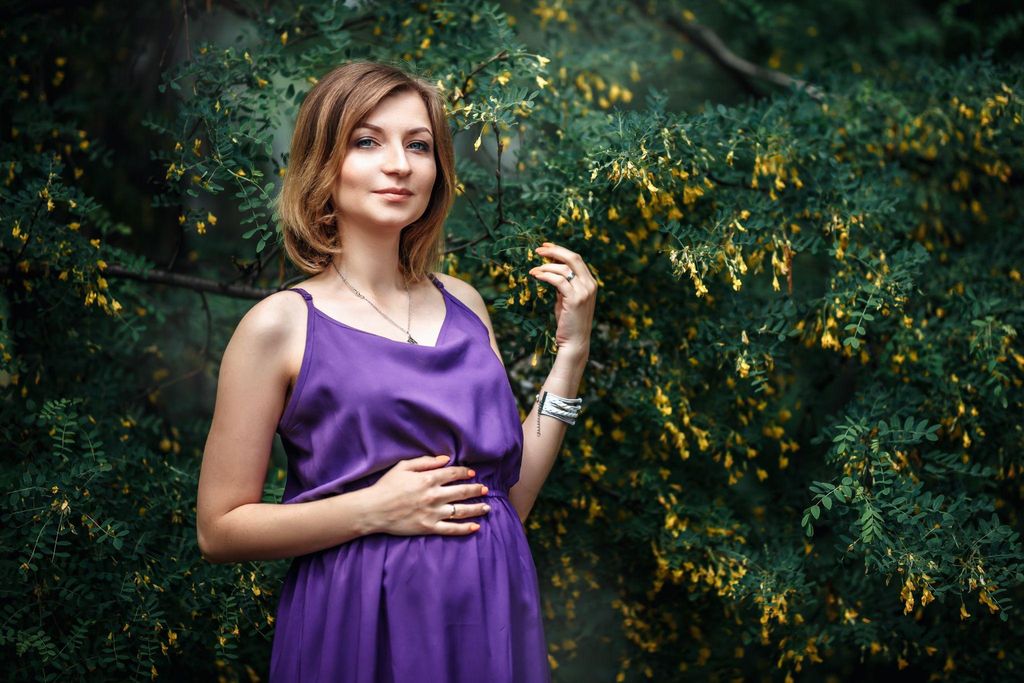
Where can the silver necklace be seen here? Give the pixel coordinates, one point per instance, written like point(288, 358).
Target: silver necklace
point(406, 330)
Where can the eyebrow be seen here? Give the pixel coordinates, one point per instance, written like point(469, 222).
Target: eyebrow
point(408, 132)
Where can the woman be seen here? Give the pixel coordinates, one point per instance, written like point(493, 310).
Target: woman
point(409, 472)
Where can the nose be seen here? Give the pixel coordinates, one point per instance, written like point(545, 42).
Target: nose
point(396, 161)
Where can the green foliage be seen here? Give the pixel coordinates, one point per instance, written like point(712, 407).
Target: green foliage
point(801, 443)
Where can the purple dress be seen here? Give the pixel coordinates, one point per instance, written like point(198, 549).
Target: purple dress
point(386, 608)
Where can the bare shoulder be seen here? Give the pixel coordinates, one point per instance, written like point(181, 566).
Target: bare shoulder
point(273, 319)
point(464, 292)
point(468, 294)
point(273, 331)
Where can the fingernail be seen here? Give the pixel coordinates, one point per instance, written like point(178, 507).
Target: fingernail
point(485, 489)
point(442, 457)
point(487, 508)
point(472, 473)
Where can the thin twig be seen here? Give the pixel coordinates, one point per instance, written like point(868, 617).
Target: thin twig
point(465, 84)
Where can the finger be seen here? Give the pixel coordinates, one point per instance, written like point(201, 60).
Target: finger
point(458, 493)
point(456, 528)
point(570, 258)
point(425, 462)
point(446, 475)
point(463, 510)
point(553, 251)
point(557, 279)
point(463, 492)
point(584, 286)
point(453, 473)
point(562, 269)
point(477, 510)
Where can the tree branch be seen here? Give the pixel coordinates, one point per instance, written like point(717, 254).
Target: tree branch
point(740, 69)
point(192, 282)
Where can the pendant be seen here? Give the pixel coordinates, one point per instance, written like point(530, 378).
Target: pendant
point(411, 340)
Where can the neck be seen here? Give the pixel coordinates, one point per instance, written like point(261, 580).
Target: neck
point(371, 266)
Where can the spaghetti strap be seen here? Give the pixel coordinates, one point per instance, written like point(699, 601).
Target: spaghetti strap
point(437, 282)
point(305, 295)
point(307, 352)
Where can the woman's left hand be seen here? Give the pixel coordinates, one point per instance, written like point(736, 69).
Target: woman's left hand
point(574, 307)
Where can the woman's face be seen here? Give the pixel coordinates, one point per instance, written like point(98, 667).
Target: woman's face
point(392, 148)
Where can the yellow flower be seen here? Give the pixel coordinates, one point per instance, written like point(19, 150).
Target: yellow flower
point(907, 595)
point(541, 82)
point(211, 219)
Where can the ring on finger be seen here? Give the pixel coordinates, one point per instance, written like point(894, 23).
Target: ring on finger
point(571, 275)
point(453, 510)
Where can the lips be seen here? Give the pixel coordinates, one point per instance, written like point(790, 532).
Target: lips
point(393, 190)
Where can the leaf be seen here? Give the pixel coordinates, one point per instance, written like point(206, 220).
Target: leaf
point(815, 511)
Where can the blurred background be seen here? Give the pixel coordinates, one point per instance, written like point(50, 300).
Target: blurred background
point(801, 455)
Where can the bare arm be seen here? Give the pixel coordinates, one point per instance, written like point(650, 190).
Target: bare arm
point(232, 524)
point(540, 451)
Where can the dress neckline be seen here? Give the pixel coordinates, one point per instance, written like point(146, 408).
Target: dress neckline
point(440, 334)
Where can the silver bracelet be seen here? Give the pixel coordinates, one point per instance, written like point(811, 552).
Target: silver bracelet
point(558, 407)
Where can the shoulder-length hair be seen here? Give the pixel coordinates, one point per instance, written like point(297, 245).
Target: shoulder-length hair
point(336, 105)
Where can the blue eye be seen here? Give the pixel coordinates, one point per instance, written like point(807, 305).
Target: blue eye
point(359, 143)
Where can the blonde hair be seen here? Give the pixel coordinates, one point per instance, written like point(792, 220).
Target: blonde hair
point(339, 102)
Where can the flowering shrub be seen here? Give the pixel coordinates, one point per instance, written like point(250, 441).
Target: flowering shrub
point(801, 441)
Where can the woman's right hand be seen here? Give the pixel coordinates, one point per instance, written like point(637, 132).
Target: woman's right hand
point(412, 499)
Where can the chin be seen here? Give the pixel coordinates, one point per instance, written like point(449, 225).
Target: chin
point(396, 225)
